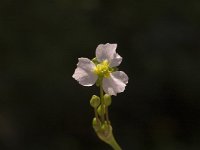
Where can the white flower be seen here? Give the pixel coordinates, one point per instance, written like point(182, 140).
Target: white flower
point(87, 72)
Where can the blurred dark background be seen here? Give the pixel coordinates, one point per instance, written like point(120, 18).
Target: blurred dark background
point(43, 108)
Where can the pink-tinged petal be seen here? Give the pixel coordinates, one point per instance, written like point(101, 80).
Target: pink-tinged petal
point(116, 83)
point(116, 60)
point(105, 52)
point(84, 72)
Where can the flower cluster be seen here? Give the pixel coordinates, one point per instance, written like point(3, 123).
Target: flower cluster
point(102, 69)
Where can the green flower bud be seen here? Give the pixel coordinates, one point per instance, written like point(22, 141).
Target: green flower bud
point(105, 127)
point(96, 124)
point(107, 100)
point(95, 101)
point(101, 110)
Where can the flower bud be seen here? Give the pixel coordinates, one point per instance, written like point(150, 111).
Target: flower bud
point(106, 129)
point(96, 124)
point(101, 110)
point(95, 101)
point(107, 100)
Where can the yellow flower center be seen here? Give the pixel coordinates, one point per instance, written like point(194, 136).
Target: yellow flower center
point(102, 69)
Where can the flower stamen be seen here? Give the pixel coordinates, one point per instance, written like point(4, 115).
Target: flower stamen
point(102, 69)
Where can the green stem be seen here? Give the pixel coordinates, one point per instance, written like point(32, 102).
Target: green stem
point(102, 102)
point(107, 136)
point(107, 116)
point(112, 142)
point(101, 123)
point(101, 93)
point(96, 114)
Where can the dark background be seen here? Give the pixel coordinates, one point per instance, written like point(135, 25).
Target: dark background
point(43, 108)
